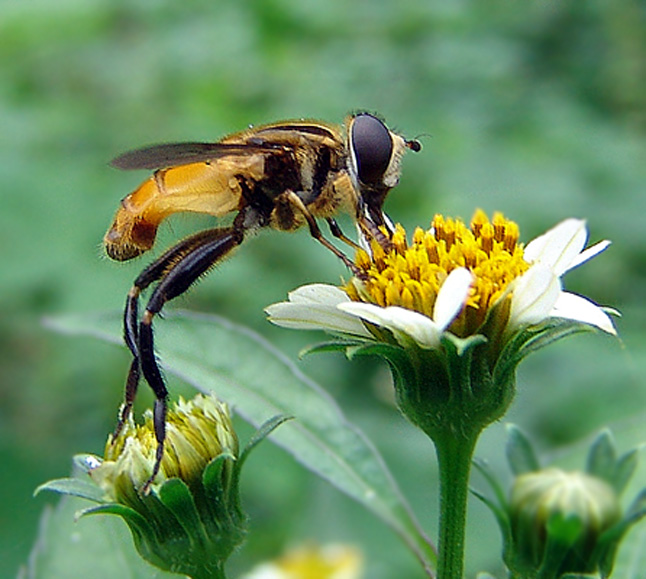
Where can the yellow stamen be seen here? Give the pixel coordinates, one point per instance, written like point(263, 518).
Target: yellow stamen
point(410, 276)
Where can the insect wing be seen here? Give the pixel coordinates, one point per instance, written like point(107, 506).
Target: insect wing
point(175, 154)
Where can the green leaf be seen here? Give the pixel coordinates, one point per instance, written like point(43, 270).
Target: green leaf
point(520, 452)
point(97, 547)
point(212, 354)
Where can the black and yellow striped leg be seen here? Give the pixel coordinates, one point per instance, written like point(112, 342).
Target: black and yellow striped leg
point(175, 282)
point(154, 272)
point(176, 271)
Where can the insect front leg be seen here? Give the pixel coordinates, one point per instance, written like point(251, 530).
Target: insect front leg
point(370, 223)
point(336, 231)
point(292, 202)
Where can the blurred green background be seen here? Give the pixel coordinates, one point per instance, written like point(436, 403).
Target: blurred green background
point(537, 109)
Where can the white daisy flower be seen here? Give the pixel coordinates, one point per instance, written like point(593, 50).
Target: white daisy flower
point(452, 279)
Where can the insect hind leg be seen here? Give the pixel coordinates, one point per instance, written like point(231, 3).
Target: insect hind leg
point(180, 275)
point(148, 276)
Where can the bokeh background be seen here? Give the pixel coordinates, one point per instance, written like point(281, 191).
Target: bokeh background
point(536, 109)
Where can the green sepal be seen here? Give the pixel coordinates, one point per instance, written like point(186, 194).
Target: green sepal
point(263, 432)
point(132, 517)
point(624, 470)
point(487, 472)
point(602, 458)
point(498, 513)
point(140, 528)
point(75, 487)
point(500, 508)
point(520, 452)
point(220, 494)
point(461, 346)
point(602, 462)
point(536, 337)
point(178, 499)
point(330, 346)
point(609, 541)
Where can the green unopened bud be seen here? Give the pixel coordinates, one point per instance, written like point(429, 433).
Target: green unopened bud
point(557, 523)
point(190, 521)
point(557, 519)
point(196, 432)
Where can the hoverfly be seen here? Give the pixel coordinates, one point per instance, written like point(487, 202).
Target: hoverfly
point(283, 175)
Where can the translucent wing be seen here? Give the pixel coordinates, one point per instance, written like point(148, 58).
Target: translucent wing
point(174, 154)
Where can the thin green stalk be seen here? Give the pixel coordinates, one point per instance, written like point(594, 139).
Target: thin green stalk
point(454, 455)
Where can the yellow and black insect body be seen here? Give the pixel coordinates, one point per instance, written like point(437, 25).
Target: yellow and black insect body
point(282, 176)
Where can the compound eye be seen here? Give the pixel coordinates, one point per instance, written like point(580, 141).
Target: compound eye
point(372, 146)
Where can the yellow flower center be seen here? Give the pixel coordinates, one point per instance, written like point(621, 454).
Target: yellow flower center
point(410, 276)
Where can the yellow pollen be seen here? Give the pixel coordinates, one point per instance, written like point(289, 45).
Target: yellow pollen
point(410, 276)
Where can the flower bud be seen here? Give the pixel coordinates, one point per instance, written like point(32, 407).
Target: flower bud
point(557, 519)
point(196, 432)
point(190, 521)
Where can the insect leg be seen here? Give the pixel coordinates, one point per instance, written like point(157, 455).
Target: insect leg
point(336, 231)
point(316, 233)
point(178, 278)
point(371, 230)
point(151, 274)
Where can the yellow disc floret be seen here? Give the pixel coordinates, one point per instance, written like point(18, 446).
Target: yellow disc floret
point(410, 276)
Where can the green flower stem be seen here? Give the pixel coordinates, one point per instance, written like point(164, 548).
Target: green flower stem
point(454, 455)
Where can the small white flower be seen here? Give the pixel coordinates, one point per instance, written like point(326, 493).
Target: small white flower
point(319, 306)
point(538, 294)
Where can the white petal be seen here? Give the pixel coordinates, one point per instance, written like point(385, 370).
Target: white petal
point(574, 307)
point(313, 307)
point(534, 296)
point(318, 293)
point(559, 247)
point(405, 324)
point(452, 296)
point(303, 317)
point(589, 253)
